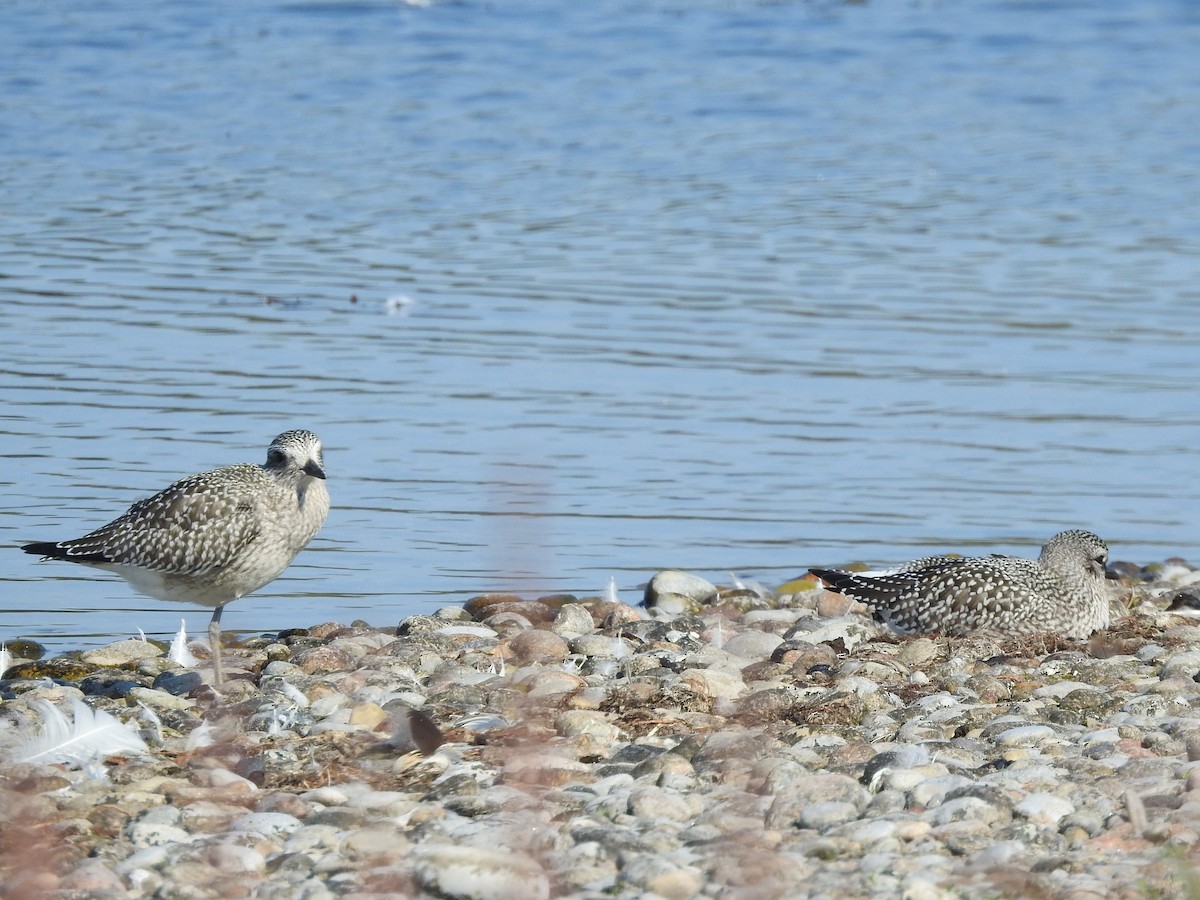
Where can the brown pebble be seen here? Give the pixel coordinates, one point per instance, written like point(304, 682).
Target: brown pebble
point(284, 802)
point(537, 645)
point(606, 613)
point(485, 604)
point(534, 611)
point(764, 671)
point(806, 656)
point(553, 682)
point(766, 706)
point(832, 606)
point(108, 820)
point(326, 630)
point(238, 792)
point(204, 815)
point(325, 658)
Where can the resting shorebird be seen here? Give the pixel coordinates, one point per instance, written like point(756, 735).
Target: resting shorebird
point(1063, 590)
point(214, 537)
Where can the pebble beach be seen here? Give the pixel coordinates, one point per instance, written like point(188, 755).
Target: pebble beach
point(716, 741)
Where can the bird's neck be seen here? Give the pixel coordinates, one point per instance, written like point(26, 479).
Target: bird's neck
point(312, 496)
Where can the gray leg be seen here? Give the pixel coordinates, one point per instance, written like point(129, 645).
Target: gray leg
point(214, 641)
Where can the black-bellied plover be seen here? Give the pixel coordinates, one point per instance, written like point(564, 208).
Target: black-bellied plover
point(1064, 590)
point(214, 537)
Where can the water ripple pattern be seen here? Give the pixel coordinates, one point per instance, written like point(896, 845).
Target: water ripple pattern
point(580, 291)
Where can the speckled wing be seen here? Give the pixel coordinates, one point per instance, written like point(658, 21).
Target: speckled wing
point(195, 526)
point(950, 595)
point(961, 597)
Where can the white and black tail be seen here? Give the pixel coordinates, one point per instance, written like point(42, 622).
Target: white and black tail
point(873, 589)
point(71, 551)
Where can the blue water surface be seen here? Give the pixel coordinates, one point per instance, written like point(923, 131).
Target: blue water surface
point(578, 291)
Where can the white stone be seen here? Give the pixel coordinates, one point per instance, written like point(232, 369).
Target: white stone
point(753, 645)
point(268, 824)
point(472, 873)
point(1024, 736)
point(685, 584)
point(1045, 809)
point(150, 834)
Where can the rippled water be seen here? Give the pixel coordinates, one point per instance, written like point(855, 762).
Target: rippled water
point(730, 286)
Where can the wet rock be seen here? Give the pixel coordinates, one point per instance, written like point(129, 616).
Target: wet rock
point(160, 700)
point(57, 669)
point(25, 649)
point(121, 653)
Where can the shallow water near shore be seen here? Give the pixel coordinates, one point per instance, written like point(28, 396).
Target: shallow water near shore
point(576, 292)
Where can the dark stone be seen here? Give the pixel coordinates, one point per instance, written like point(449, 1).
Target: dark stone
point(181, 684)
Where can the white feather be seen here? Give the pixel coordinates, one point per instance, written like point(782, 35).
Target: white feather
point(179, 652)
point(155, 722)
point(294, 694)
point(95, 735)
point(202, 736)
point(745, 584)
point(717, 636)
point(398, 305)
point(95, 771)
point(613, 596)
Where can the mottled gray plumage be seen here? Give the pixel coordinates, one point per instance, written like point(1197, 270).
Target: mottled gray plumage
point(214, 537)
point(1064, 590)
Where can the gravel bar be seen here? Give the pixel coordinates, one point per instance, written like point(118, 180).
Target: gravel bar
point(731, 742)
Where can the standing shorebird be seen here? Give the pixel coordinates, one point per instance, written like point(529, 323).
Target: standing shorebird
point(1063, 590)
point(214, 537)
